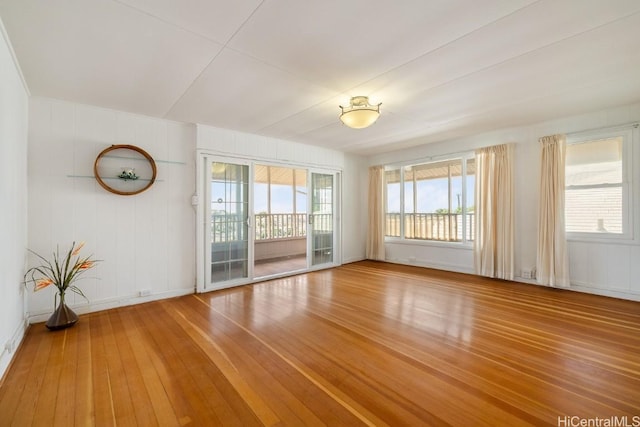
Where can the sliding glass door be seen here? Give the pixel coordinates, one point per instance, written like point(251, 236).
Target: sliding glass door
point(258, 220)
point(321, 219)
point(228, 224)
point(280, 219)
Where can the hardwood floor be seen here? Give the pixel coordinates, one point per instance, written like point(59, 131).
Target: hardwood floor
point(363, 344)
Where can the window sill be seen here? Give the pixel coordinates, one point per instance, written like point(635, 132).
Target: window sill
point(431, 243)
point(605, 239)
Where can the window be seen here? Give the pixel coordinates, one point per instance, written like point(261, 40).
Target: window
point(431, 201)
point(597, 185)
point(279, 202)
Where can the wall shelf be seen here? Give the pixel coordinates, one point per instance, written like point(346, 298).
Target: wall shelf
point(125, 170)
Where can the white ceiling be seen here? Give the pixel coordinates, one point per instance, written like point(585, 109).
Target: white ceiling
point(441, 68)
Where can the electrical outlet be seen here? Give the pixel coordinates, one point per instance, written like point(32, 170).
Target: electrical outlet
point(529, 274)
point(9, 347)
point(144, 292)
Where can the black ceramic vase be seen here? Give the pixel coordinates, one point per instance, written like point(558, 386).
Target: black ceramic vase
point(62, 318)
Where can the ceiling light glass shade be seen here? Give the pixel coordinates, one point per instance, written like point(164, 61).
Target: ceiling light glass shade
point(360, 114)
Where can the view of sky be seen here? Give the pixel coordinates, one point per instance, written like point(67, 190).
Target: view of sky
point(431, 195)
point(281, 198)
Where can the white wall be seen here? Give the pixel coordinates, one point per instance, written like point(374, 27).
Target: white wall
point(146, 241)
point(243, 145)
point(604, 268)
point(13, 197)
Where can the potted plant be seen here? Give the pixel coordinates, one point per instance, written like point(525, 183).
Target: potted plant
point(62, 273)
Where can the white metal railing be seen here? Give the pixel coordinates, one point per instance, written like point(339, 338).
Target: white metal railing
point(430, 226)
point(232, 227)
point(280, 226)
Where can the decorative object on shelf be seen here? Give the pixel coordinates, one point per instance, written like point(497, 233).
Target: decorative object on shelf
point(62, 273)
point(125, 180)
point(127, 174)
point(360, 114)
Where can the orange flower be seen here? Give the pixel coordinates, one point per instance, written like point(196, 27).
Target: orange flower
point(62, 272)
point(86, 265)
point(43, 283)
point(77, 250)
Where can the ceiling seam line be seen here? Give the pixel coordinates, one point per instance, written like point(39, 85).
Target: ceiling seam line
point(164, 21)
point(447, 43)
point(488, 67)
point(244, 23)
point(358, 145)
point(386, 72)
point(224, 46)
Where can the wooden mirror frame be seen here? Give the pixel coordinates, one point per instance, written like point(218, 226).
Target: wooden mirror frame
point(139, 150)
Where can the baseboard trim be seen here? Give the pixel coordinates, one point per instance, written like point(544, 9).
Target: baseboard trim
point(352, 259)
point(604, 292)
point(576, 287)
point(106, 304)
point(435, 265)
point(10, 348)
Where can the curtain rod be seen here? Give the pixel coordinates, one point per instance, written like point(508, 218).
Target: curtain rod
point(390, 166)
point(430, 159)
point(633, 125)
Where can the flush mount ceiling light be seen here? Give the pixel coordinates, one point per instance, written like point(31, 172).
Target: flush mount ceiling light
point(360, 114)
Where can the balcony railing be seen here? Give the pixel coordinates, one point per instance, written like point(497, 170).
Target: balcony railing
point(424, 226)
point(445, 227)
point(230, 227)
point(280, 226)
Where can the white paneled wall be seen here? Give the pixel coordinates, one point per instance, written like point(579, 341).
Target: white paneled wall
point(355, 180)
point(13, 201)
point(145, 241)
point(603, 268)
point(353, 168)
point(607, 269)
point(258, 147)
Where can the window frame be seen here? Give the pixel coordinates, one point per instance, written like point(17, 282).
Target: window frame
point(463, 157)
point(629, 196)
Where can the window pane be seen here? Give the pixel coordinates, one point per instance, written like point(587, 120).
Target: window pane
point(301, 190)
point(436, 192)
point(392, 182)
point(593, 179)
point(470, 199)
point(429, 201)
point(280, 202)
point(594, 210)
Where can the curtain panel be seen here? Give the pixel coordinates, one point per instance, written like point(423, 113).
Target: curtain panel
point(552, 260)
point(376, 223)
point(493, 246)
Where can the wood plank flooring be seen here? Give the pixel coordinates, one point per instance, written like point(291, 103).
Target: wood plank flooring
point(363, 344)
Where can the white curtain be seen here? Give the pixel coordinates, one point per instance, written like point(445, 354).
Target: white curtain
point(552, 261)
point(375, 229)
point(494, 212)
